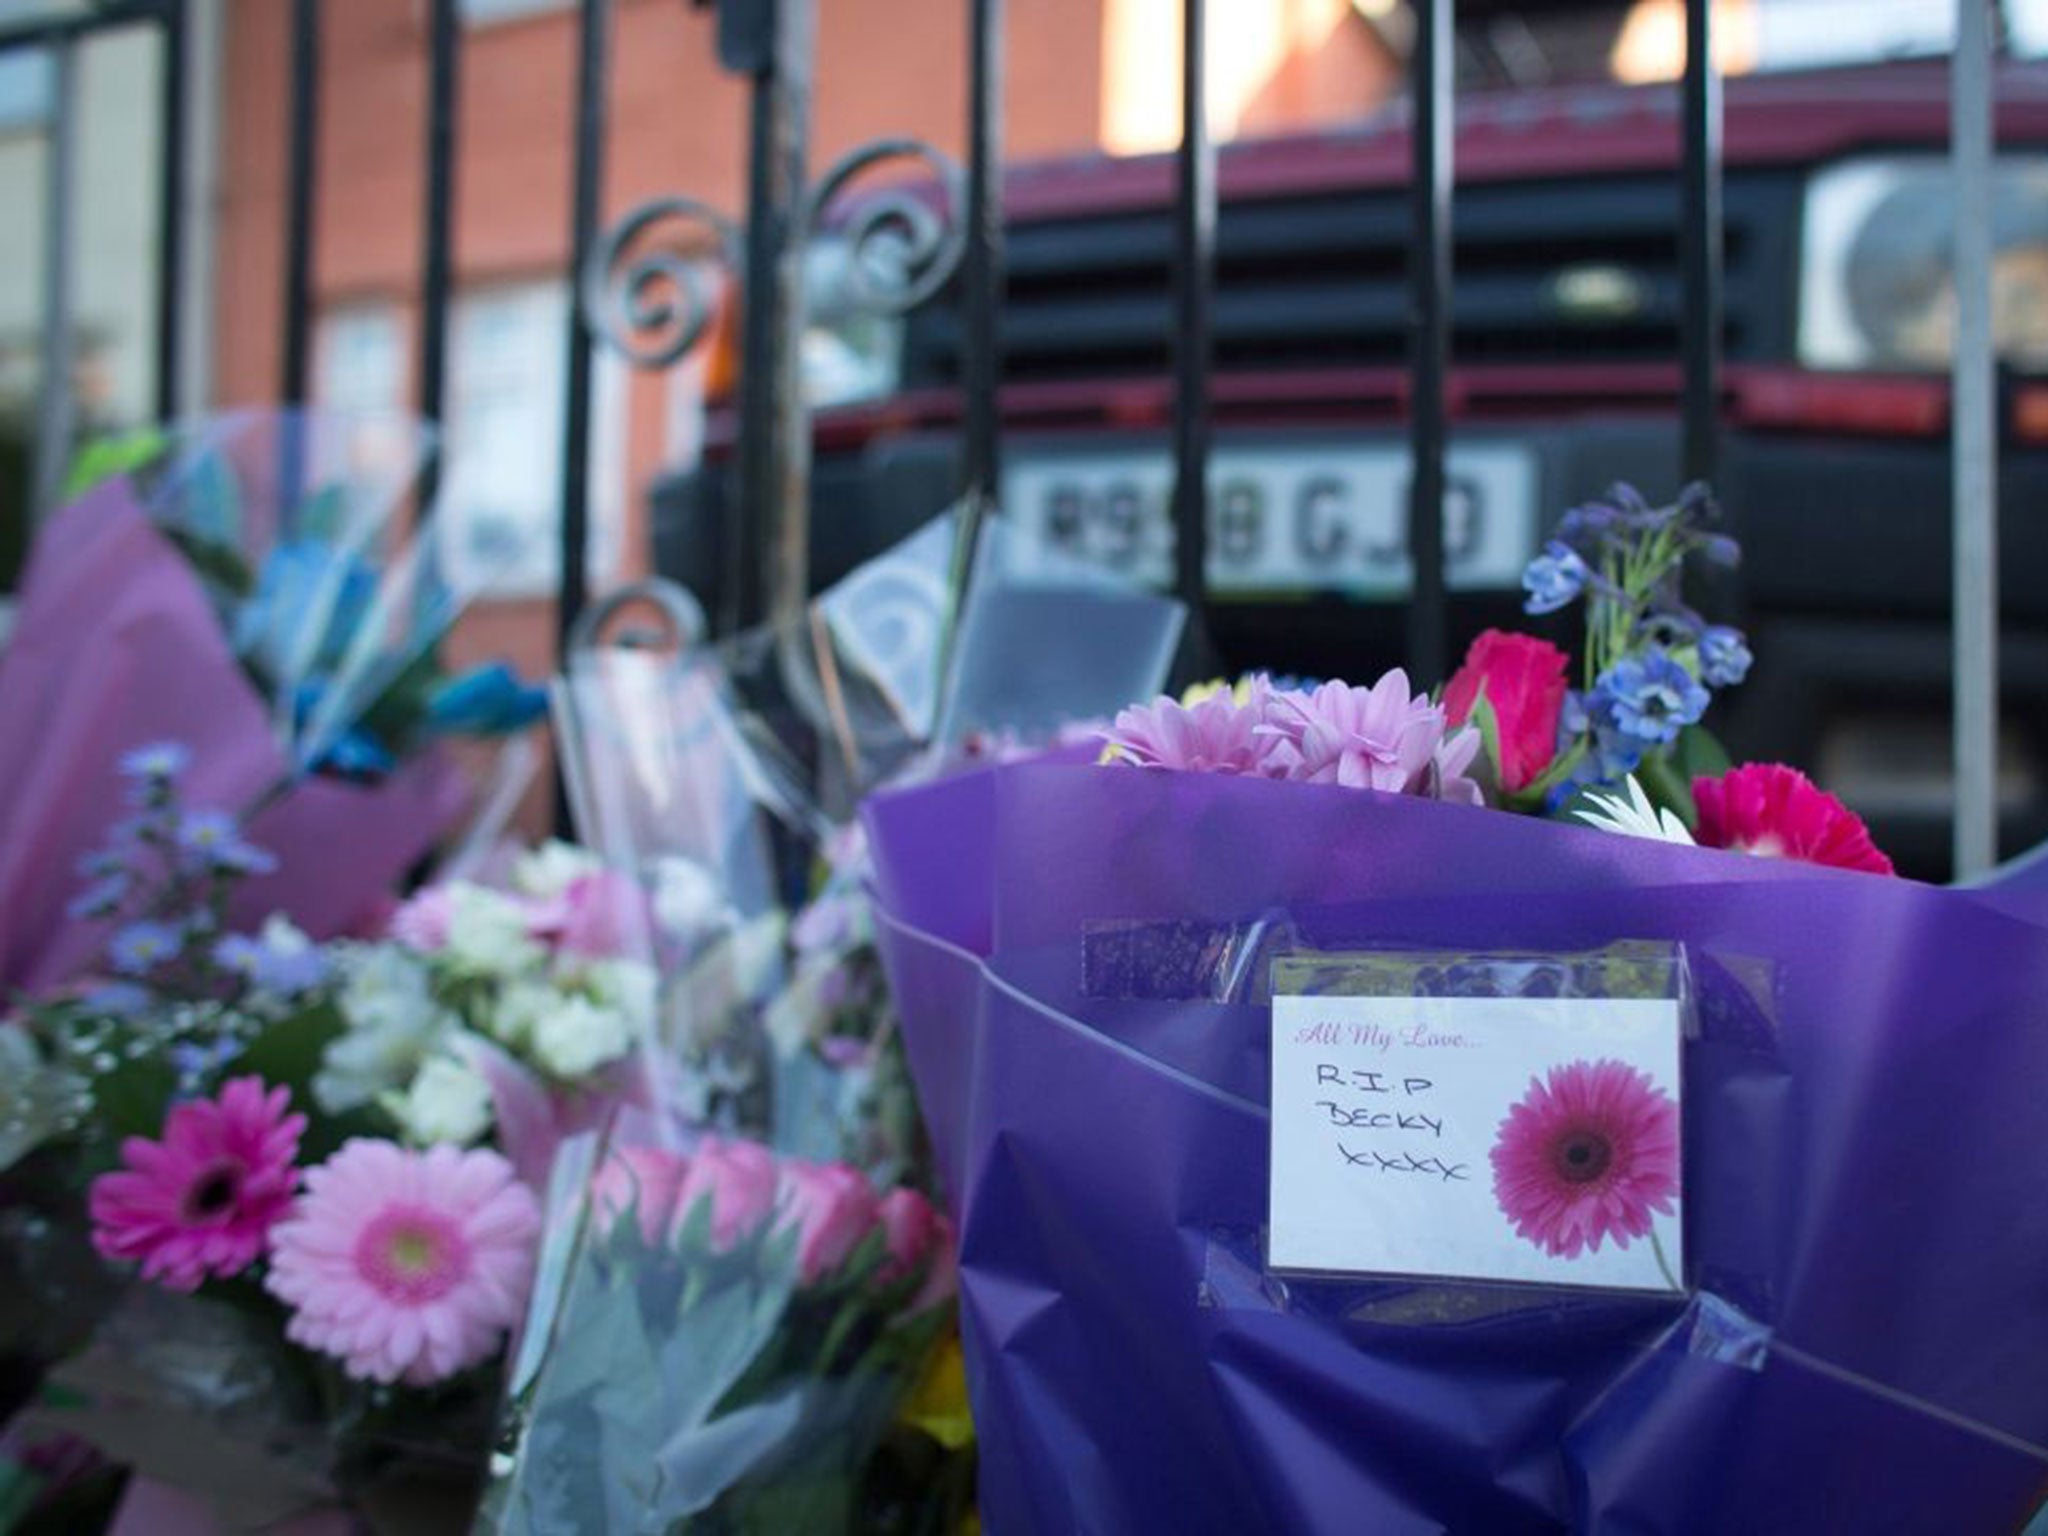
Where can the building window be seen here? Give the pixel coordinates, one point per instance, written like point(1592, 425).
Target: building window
point(497, 522)
point(500, 513)
point(477, 12)
point(359, 364)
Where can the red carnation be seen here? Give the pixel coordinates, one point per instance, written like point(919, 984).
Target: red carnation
point(1769, 809)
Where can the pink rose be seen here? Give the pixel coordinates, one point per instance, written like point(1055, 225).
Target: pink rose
point(645, 1180)
point(920, 1242)
point(1524, 680)
point(942, 1272)
point(422, 922)
point(739, 1179)
point(600, 916)
point(832, 1208)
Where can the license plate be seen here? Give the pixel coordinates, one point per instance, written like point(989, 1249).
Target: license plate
point(1284, 520)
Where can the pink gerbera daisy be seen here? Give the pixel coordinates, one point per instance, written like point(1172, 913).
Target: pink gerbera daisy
point(201, 1201)
point(1769, 809)
point(1589, 1154)
point(1382, 737)
point(407, 1266)
point(1217, 734)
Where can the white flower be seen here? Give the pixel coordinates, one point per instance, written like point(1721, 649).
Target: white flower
point(281, 936)
point(552, 868)
point(518, 1011)
point(487, 933)
point(447, 1101)
point(577, 1036)
point(362, 1064)
point(1632, 815)
point(384, 987)
point(687, 898)
point(629, 986)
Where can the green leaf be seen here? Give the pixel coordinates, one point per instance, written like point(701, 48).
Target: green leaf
point(131, 1099)
point(106, 457)
point(1699, 755)
point(288, 1055)
point(1488, 725)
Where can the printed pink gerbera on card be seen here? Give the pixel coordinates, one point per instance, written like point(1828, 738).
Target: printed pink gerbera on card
point(1587, 1154)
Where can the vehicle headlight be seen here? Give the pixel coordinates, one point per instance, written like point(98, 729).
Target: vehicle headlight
point(1875, 285)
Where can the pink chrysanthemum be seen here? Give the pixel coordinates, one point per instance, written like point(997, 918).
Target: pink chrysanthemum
point(1589, 1154)
point(202, 1200)
point(1769, 809)
point(1382, 737)
point(406, 1266)
point(1216, 735)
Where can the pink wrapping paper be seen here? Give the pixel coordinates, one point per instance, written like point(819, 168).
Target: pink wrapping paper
point(116, 646)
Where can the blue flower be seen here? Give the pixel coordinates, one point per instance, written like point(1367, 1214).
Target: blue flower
point(102, 864)
point(101, 898)
point(1553, 578)
point(1724, 656)
point(120, 999)
point(160, 761)
point(309, 603)
point(487, 701)
point(274, 964)
point(1650, 698)
point(214, 838)
point(1721, 550)
point(141, 947)
point(356, 754)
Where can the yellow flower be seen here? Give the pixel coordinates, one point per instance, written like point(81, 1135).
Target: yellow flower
point(938, 1403)
point(1201, 693)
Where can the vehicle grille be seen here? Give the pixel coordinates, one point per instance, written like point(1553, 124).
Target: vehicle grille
point(1307, 282)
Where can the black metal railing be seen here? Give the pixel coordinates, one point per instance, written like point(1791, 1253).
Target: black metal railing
point(765, 533)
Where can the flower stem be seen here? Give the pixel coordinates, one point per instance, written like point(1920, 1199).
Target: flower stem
point(1663, 1264)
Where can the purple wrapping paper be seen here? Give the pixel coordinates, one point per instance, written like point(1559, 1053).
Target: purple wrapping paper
point(1864, 1345)
point(116, 646)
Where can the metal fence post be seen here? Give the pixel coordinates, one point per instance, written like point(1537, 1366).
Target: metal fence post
point(981, 364)
point(1701, 259)
point(444, 60)
point(770, 41)
point(1429, 283)
point(591, 70)
point(56, 412)
point(1975, 464)
point(170, 272)
point(301, 166)
point(1194, 287)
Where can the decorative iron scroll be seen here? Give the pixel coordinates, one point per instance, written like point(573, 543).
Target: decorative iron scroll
point(656, 306)
point(902, 248)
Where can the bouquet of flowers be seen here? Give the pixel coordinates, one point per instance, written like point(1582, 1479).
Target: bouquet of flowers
point(1086, 961)
point(292, 1157)
point(744, 1321)
point(735, 1333)
point(249, 587)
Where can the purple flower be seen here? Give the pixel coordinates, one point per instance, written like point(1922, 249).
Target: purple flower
point(1651, 697)
point(141, 947)
point(1382, 737)
point(1553, 578)
point(102, 863)
point(214, 838)
point(1724, 656)
point(1218, 735)
point(160, 761)
point(100, 899)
